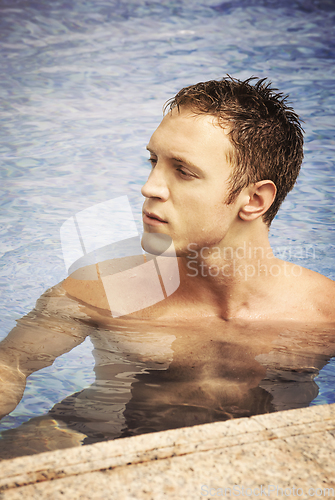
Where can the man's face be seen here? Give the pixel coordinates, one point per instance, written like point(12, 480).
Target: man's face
point(187, 188)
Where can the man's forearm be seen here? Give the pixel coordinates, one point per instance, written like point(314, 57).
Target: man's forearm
point(12, 385)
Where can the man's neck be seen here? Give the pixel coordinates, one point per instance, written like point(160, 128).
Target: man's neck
point(230, 279)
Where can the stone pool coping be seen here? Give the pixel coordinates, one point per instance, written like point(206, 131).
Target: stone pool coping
point(290, 449)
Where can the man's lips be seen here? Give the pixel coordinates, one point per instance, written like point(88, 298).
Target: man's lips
point(152, 218)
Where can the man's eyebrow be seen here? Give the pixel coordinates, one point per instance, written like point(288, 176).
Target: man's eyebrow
point(187, 163)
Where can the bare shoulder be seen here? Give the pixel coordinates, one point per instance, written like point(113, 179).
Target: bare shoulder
point(88, 291)
point(87, 284)
point(319, 294)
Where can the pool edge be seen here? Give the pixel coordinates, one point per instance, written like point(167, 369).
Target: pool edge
point(294, 448)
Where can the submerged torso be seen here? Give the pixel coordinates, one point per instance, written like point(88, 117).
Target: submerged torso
point(161, 374)
point(153, 375)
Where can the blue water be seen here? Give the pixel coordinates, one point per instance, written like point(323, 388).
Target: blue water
point(82, 89)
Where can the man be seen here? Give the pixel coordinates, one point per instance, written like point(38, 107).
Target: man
point(241, 321)
point(223, 159)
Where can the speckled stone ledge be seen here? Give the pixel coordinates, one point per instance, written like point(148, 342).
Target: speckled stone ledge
point(284, 454)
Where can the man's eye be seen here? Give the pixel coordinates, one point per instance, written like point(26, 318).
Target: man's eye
point(184, 174)
point(153, 161)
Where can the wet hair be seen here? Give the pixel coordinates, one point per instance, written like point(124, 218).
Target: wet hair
point(265, 132)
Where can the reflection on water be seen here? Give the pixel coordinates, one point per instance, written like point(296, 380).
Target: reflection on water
point(151, 376)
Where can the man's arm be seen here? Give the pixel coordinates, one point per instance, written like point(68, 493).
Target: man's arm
point(54, 327)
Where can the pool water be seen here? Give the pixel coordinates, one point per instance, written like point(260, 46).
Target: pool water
point(82, 89)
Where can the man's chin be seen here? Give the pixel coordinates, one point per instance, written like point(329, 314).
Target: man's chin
point(158, 244)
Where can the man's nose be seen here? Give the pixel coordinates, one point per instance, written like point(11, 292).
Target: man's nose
point(156, 186)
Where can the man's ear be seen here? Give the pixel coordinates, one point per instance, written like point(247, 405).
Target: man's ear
point(260, 197)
